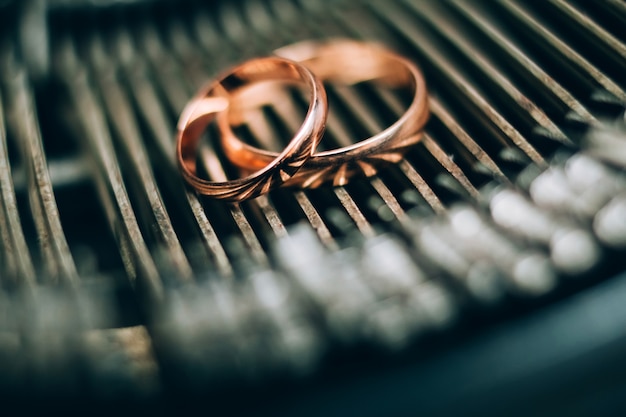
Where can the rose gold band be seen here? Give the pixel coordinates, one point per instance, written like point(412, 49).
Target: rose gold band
point(347, 62)
point(216, 97)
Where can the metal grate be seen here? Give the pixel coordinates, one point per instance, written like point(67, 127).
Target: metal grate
point(119, 282)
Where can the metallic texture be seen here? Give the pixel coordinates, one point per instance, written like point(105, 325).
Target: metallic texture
point(346, 62)
point(217, 97)
point(514, 209)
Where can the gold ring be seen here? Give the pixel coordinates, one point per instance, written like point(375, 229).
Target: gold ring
point(216, 98)
point(347, 62)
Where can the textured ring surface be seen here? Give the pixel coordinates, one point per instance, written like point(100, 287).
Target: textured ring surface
point(346, 62)
point(216, 98)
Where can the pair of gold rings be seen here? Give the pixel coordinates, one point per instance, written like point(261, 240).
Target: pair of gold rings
point(309, 64)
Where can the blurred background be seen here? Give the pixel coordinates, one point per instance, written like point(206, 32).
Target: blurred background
point(483, 274)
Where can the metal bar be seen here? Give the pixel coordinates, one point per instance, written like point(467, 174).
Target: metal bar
point(415, 35)
point(555, 44)
point(355, 20)
point(120, 113)
point(509, 48)
point(19, 267)
point(422, 186)
point(524, 105)
point(389, 198)
point(107, 175)
point(271, 215)
point(587, 24)
point(377, 29)
point(181, 42)
point(286, 111)
point(214, 168)
point(315, 220)
point(366, 116)
point(288, 116)
point(57, 258)
point(164, 69)
point(153, 112)
point(465, 139)
point(249, 235)
point(340, 132)
point(618, 7)
point(352, 209)
point(177, 93)
point(446, 162)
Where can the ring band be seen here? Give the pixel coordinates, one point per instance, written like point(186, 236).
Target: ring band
point(347, 62)
point(216, 98)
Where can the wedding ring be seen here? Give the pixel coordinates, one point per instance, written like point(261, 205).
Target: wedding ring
point(347, 62)
point(216, 97)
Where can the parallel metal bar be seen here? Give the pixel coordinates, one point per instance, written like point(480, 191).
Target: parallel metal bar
point(618, 7)
point(271, 215)
point(394, 287)
point(249, 235)
point(177, 93)
point(366, 116)
point(262, 130)
point(257, 16)
point(508, 47)
point(153, 112)
point(18, 269)
point(352, 209)
point(107, 175)
point(121, 116)
point(234, 28)
point(368, 20)
point(165, 70)
point(414, 34)
point(315, 220)
point(388, 197)
point(446, 162)
point(181, 43)
point(337, 128)
point(214, 168)
point(437, 18)
point(422, 186)
point(204, 32)
point(57, 258)
point(463, 138)
point(287, 112)
point(556, 44)
point(592, 27)
point(285, 11)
